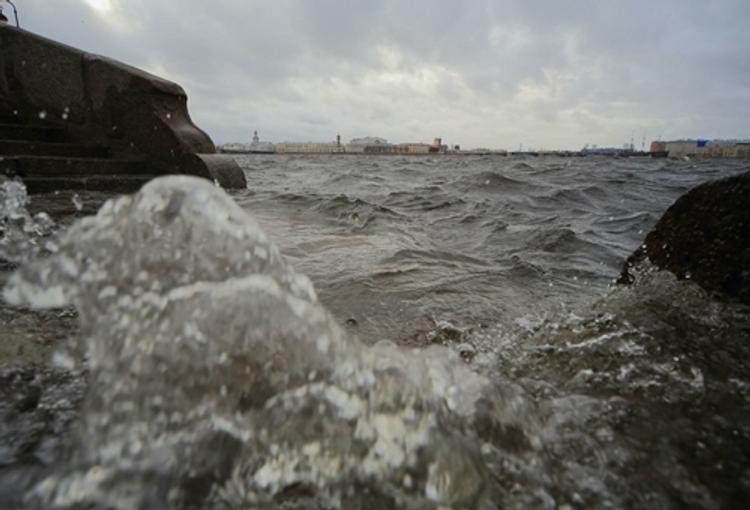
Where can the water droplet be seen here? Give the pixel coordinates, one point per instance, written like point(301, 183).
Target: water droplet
point(43, 114)
point(63, 360)
point(407, 481)
point(688, 275)
point(77, 202)
point(64, 116)
point(169, 116)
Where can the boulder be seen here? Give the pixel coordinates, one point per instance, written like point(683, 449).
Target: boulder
point(704, 236)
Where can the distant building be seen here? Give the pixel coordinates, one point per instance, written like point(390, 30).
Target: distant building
point(706, 148)
point(604, 151)
point(236, 148)
point(412, 148)
point(421, 148)
point(437, 146)
point(307, 148)
point(256, 146)
point(310, 147)
point(658, 146)
point(477, 151)
point(369, 145)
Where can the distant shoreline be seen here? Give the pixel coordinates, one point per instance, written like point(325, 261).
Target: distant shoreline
point(563, 154)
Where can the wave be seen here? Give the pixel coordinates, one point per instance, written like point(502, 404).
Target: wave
point(562, 240)
point(418, 201)
point(432, 257)
point(354, 179)
point(490, 181)
point(354, 211)
point(522, 166)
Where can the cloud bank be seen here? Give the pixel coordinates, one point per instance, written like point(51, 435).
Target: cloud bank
point(478, 73)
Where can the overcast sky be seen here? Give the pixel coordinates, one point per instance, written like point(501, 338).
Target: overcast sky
point(485, 73)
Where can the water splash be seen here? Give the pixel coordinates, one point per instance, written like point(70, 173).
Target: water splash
point(77, 202)
point(22, 236)
point(217, 378)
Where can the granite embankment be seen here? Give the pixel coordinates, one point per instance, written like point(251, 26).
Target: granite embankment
point(72, 119)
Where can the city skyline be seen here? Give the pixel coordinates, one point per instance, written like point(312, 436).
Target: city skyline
point(481, 74)
point(642, 142)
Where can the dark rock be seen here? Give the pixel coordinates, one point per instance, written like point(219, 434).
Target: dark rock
point(704, 236)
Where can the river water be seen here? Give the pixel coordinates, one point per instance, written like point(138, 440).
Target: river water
point(398, 244)
point(459, 342)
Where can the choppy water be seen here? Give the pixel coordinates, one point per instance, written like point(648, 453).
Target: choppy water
point(474, 356)
point(400, 243)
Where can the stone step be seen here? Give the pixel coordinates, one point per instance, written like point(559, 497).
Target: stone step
point(111, 183)
point(34, 148)
point(53, 166)
point(31, 132)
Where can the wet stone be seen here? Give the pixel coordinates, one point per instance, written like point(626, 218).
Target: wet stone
point(704, 236)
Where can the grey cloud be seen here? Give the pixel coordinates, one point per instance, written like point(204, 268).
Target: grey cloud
point(480, 73)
